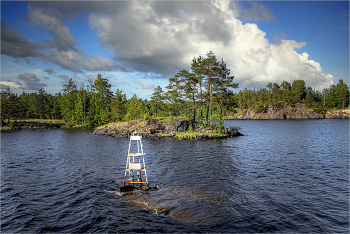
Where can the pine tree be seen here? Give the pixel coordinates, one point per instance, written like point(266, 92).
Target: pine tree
point(135, 109)
point(224, 82)
point(198, 68)
point(343, 94)
point(101, 99)
point(118, 105)
point(9, 105)
point(287, 93)
point(298, 90)
point(157, 97)
point(211, 73)
point(68, 102)
point(308, 99)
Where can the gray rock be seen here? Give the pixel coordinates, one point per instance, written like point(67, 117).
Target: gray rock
point(234, 133)
point(202, 136)
point(183, 127)
point(220, 137)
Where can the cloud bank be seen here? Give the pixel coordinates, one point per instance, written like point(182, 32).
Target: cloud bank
point(31, 82)
point(143, 84)
point(162, 38)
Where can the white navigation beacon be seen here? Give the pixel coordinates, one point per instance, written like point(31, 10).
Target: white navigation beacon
point(135, 162)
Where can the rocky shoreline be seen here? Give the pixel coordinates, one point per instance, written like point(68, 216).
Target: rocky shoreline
point(31, 124)
point(285, 111)
point(162, 130)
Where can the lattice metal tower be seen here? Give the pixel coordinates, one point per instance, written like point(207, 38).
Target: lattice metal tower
point(135, 163)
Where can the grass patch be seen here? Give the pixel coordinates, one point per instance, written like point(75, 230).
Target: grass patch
point(54, 121)
point(79, 126)
point(169, 119)
point(129, 124)
point(190, 135)
point(5, 128)
point(102, 126)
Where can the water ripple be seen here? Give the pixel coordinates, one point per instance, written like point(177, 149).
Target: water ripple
point(282, 176)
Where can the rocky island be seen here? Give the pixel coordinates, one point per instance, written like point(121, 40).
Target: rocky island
point(155, 129)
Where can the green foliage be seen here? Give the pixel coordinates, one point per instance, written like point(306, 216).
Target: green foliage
point(118, 106)
point(219, 124)
point(156, 98)
point(135, 107)
point(259, 108)
point(308, 99)
point(202, 93)
point(101, 97)
point(146, 116)
point(202, 124)
point(318, 108)
point(193, 135)
point(190, 128)
point(298, 90)
point(335, 97)
point(12, 124)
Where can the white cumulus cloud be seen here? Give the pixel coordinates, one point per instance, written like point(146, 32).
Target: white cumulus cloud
point(144, 85)
point(163, 38)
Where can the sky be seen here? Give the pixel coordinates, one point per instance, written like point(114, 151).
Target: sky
point(139, 45)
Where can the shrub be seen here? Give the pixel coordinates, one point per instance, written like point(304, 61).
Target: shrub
point(259, 108)
point(12, 124)
point(202, 124)
point(190, 128)
point(220, 124)
point(318, 108)
point(146, 116)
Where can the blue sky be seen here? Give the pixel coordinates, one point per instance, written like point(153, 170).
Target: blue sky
point(140, 45)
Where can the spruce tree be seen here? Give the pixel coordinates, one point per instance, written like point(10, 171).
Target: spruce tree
point(157, 96)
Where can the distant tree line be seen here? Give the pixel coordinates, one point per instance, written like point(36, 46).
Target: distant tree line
point(336, 97)
point(204, 93)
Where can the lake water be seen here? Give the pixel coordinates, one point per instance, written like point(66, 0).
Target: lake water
point(282, 176)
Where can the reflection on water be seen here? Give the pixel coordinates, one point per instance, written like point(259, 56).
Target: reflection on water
point(188, 205)
point(282, 176)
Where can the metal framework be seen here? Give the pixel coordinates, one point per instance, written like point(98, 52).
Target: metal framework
point(135, 162)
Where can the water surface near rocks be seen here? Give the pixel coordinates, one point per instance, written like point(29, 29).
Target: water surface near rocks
point(282, 176)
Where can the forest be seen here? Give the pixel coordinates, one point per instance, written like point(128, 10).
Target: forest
point(205, 93)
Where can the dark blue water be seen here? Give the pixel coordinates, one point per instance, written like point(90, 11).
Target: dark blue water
point(282, 176)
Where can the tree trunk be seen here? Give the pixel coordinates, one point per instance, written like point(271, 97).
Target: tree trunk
point(211, 105)
point(207, 112)
point(155, 114)
point(201, 113)
point(84, 109)
point(200, 93)
point(211, 93)
point(194, 109)
point(221, 102)
point(176, 123)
